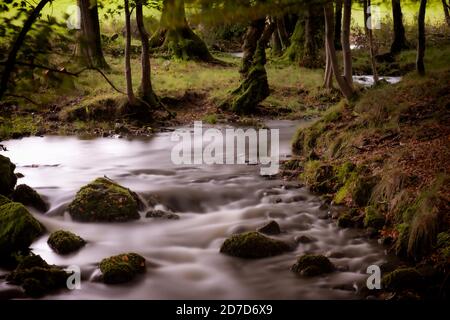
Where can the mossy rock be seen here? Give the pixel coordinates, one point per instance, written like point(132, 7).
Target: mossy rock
point(310, 265)
point(18, 228)
point(65, 242)
point(159, 214)
point(253, 245)
point(104, 201)
point(271, 228)
point(36, 277)
point(29, 197)
point(323, 179)
point(363, 190)
point(373, 219)
point(7, 177)
point(4, 200)
point(403, 278)
point(122, 268)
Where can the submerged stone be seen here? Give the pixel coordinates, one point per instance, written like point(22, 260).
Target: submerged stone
point(36, 277)
point(313, 265)
point(65, 242)
point(122, 268)
point(159, 214)
point(104, 200)
point(18, 228)
point(271, 228)
point(253, 245)
point(29, 197)
point(7, 177)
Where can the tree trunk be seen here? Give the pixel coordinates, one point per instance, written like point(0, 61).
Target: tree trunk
point(346, 50)
point(176, 37)
point(276, 42)
point(146, 90)
point(254, 32)
point(255, 86)
point(421, 38)
point(130, 93)
point(282, 32)
point(90, 40)
point(344, 87)
point(399, 42)
point(328, 78)
point(12, 55)
point(446, 11)
point(338, 25)
point(369, 35)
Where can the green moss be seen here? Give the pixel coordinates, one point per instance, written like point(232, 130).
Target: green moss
point(210, 119)
point(253, 245)
point(100, 107)
point(7, 177)
point(104, 200)
point(404, 278)
point(36, 277)
point(18, 228)
point(65, 242)
point(312, 265)
point(122, 268)
point(443, 240)
point(362, 190)
point(4, 200)
point(373, 219)
point(346, 178)
point(29, 197)
point(305, 139)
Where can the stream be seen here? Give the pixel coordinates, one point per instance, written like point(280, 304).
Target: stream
point(213, 202)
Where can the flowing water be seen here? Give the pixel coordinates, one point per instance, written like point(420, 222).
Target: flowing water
point(213, 202)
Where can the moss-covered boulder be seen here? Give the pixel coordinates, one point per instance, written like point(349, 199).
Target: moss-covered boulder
point(29, 197)
point(7, 177)
point(18, 228)
point(271, 228)
point(402, 279)
point(362, 190)
point(373, 219)
point(310, 265)
point(253, 245)
point(104, 201)
point(65, 242)
point(36, 277)
point(122, 268)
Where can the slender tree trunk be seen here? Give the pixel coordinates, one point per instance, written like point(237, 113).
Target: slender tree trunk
point(344, 86)
point(254, 32)
point(369, 35)
point(421, 38)
point(130, 93)
point(90, 41)
point(446, 11)
point(328, 78)
point(399, 42)
point(338, 25)
point(12, 55)
point(346, 50)
point(146, 89)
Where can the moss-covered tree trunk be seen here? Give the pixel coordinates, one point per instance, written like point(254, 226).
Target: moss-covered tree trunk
point(307, 38)
point(176, 37)
point(254, 87)
point(253, 34)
